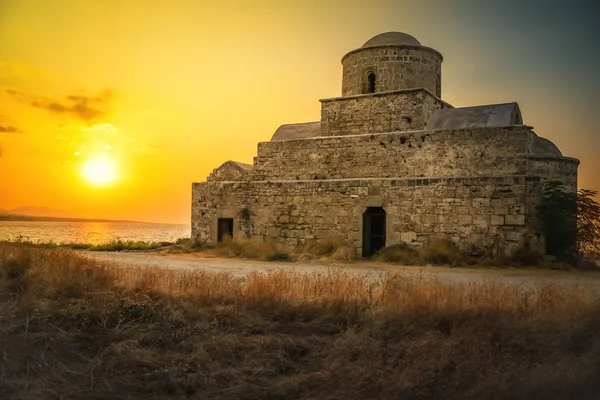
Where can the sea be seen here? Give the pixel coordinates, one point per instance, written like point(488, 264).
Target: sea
point(91, 232)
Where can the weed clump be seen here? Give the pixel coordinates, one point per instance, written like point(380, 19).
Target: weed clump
point(112, 245)
point(248, 248)
point(399, 253)
point(442, 252)
point(331, 247)
point(283, 256)
point(437, 252)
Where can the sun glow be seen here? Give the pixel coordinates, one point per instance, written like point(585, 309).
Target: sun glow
point(100, 170)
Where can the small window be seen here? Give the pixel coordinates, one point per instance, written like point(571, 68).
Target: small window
point(371, 82)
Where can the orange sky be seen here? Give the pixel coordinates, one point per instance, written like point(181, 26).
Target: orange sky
point(171, 89)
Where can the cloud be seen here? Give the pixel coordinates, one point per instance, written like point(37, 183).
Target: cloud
point(108, 128)
point(7, 126)
point(85, 108)
point(9, 129)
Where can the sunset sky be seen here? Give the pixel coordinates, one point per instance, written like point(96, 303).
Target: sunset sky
point(163, 91)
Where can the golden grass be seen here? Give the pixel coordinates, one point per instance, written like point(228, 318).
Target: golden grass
point(73, 328)
point(330, 248)
point(437, 252)
point(241, 247)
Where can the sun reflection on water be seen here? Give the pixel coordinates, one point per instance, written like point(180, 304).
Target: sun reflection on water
point(91, 232)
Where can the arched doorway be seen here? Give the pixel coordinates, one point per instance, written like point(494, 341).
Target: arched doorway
point(371, 82)
point(373, 231)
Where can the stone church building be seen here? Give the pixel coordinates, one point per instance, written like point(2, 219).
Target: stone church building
point(389, 162)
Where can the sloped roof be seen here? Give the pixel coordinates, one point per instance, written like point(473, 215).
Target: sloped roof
point(507, 114)
point(297, 131)
point(230, 171)
point(245, 167)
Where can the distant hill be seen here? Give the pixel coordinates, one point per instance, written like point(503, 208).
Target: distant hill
point(15, 217)
point(40, 212)
point(51, 214)
point(47, 214)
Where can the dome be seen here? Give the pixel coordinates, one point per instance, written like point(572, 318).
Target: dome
point(392, 38)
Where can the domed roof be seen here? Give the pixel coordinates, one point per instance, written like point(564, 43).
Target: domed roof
point(392, 38)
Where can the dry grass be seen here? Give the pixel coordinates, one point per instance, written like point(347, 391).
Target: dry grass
point(437, 252)
point(330, 248)
point(72, 328)
point(239, 247)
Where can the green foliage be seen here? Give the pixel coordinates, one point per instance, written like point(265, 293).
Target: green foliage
point(113, 245)
point(570, 222)
point(120, 245)
point(280, 256)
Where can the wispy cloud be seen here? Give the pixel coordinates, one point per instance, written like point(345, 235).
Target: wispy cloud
point(85, 108)
point(107, 128)
point(9, 129)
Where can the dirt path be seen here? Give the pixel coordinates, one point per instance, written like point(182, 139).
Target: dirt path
point(238, 267)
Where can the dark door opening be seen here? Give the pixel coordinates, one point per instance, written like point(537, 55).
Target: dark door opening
point(373, 231)
point(224, 228)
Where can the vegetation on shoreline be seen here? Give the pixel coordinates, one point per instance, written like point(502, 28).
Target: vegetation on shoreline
point(73, 328)
point(112, 245)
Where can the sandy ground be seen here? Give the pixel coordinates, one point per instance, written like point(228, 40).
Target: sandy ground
point(238, 267)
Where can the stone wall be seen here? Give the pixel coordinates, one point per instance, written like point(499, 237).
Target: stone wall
point(395, 67)
point(430, 154)
point(479, 214)
point(478, 187)
point(541, 170)
point(381, 112)
point(563, 169)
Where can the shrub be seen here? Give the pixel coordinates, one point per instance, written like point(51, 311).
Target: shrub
point(332, 247)
point(279, 256)
point(400, 253)
point(442, 252)
point(521, 257)
point(241, 247)
point(570, 222)
point(525, 258)
point(437, 252)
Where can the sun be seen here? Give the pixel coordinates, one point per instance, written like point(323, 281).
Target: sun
point(100, 170)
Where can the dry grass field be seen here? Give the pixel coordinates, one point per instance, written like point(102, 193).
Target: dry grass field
point(74, 328)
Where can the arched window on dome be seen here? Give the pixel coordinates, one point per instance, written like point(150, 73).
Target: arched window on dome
point(371, 78)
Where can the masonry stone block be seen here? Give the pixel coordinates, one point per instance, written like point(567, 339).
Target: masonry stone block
point(514, 219)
